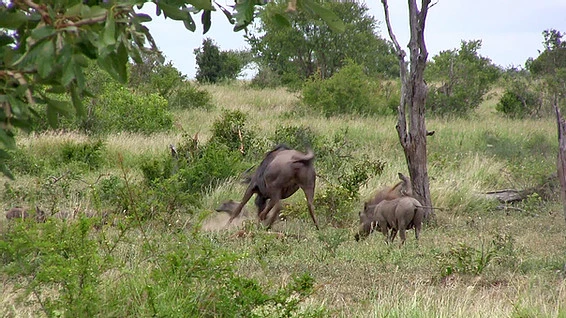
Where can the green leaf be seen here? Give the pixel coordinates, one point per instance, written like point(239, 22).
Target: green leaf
point(57, 89)
point(4, 155)
point(116, 64)
point(92, 12)
point(331, 19)
point(121, 62)
point(44, 53)
point(52, 117)
point(281, 20)
point(142, 17)
point(227, 13)
point(42, 32)
point(68, 72)
point(7, 139)
point(12, 20)
point(244, 14)
point(202, 4)
point(109, 33)
point(77, 101)
point(173, 12)
point(190, 24)
point(60, 106)
point(205, 19)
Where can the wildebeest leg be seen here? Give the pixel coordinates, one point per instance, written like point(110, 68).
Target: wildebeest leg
point(309, 193)
point(272, 202)
point(260, 202)
point(276, 209)
point(245, 199)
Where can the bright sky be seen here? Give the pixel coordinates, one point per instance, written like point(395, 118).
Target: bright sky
point(510, 30)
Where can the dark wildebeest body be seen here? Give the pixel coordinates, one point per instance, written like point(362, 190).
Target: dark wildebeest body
point(398, 215)
point(281, 173)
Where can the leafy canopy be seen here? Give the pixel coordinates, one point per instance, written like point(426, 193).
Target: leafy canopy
point(45, 46)
point(460, 79)
point(307, 46)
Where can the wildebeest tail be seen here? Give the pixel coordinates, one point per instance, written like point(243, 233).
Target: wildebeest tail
point(304, 158)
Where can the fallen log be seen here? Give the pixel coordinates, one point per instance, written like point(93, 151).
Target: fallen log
point(509, 195)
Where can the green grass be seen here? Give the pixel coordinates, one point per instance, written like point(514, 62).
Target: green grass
point(474, 260)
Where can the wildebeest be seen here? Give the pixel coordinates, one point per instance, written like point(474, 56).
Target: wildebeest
point(401, 189)
point(398, 215)
point(281, 173)
point(22, 213)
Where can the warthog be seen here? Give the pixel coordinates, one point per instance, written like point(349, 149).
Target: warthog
point(22, 213)
point(401, 189)
point(398, 215)
point(230, 207)
point(281, 173)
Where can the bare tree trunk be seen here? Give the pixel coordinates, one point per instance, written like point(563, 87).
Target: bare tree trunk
point(561, 161)
point(411, 112)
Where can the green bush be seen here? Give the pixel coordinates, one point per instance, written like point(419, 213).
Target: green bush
point(178, 181)
point(62, 259)
point(463, 78)
point(349, 91)
point(266, 78)
point(213, 163)
point(519, 101)
point(296, 137)
point(191, 277)
point(90, 153)
point(232, 131)
point(188, 96)
point(466, 259)
point(342, 193)
point(118, 109)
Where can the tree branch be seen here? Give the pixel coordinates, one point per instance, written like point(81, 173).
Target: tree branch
point(401, 120)
point(39, 8)
point(400, 51)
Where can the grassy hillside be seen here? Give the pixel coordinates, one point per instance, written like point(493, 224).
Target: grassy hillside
point(477, 258)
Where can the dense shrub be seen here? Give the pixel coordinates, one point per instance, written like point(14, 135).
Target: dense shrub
point(266, 78)
point(188, 96)
point(232, 131)
point(178, 181)
point(463, 78)
point(520, 98)
point(349, 91)
point(215, 65)
point(91, 153)
point(341, 195)
point(296, 137)
point(63, 259)
point(118, 109)
point(213, 162)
